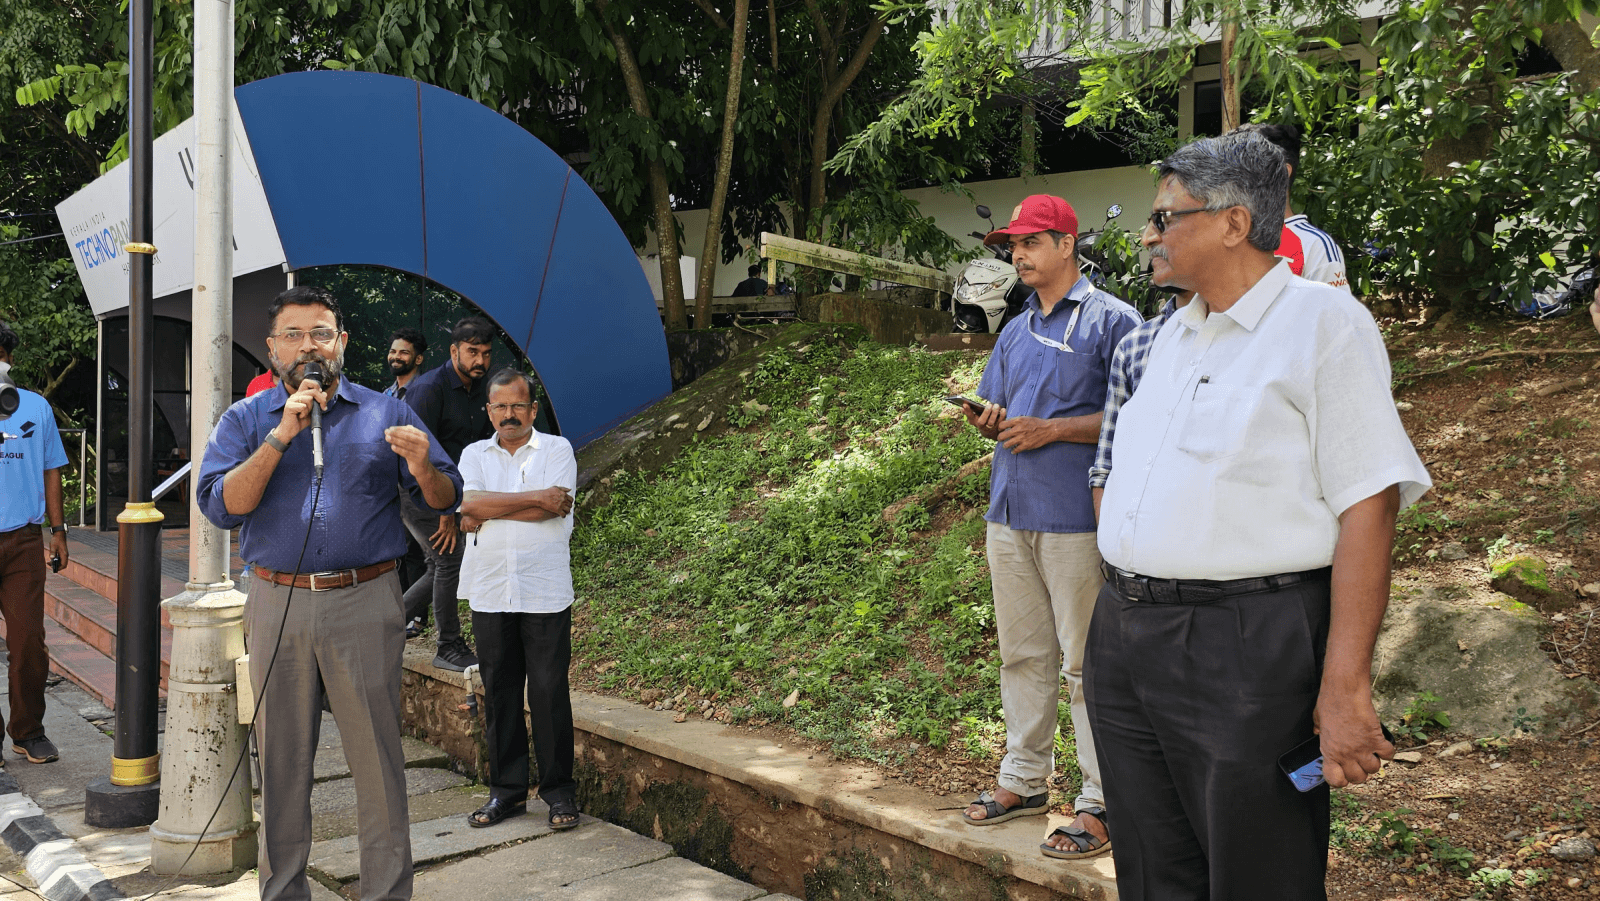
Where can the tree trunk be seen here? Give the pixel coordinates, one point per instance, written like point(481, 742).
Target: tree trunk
point(822, 123)
point(1230, 70)
point(1569, 43)
point(666, 225)
point(711, 251)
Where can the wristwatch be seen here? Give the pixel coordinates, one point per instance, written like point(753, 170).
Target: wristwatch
point(275, 444)
point(57, 530)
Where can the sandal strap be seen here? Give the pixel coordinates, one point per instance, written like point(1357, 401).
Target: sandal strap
point(1083, 838)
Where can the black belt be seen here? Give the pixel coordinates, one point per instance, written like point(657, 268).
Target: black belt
point(1145, 589)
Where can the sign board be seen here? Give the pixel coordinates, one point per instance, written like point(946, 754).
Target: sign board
point(95, 221)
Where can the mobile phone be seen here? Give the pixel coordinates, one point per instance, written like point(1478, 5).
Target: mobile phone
point(958, 400)
point(1303, 764)
point(55, 563)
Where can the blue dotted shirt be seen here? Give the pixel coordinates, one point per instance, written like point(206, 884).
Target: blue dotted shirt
point(356, 521)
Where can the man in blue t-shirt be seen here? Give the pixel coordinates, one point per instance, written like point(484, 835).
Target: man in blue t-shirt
point(31, 457)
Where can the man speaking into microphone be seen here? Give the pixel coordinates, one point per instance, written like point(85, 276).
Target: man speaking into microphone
point(319, 520)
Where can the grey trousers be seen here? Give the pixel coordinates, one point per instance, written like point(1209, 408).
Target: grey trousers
point(344, 644)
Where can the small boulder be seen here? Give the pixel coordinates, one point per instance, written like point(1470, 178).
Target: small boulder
point(650, 695)
point(1457, 749)
point(1408, 757)
point(1573, 849)
point(792, 699)
point(1526, 578)
point(1453, 550)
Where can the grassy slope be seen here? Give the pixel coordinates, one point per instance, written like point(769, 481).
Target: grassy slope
point(759, 562)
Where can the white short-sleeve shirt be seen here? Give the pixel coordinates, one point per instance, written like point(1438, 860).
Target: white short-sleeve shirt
point(518, 567)
point(1252, 430)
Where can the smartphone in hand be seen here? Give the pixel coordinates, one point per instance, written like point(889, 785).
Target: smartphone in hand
point(976, 406)
point(1303, 764)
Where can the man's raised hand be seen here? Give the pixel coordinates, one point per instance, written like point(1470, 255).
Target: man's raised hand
point(297, 410)
point(410, 442)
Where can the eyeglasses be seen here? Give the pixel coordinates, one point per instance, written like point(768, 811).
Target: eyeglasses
point(319, 335)
point(497, 409)
point(1159, 217)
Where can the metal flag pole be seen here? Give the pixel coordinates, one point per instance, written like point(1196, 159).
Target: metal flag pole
point(130, 796)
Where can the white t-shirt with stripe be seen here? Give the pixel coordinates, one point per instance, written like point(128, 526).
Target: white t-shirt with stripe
point(1312, 253)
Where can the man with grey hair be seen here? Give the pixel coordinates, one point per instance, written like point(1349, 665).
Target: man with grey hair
point(1247, 530)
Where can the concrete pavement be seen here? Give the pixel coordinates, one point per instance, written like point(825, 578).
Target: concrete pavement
point(521, 858)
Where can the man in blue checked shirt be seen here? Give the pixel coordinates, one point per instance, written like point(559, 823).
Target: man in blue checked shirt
point(324, 618)
point(1046, 387)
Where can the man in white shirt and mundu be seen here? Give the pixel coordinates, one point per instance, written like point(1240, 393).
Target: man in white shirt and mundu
point(1247, 530)
point(517, 576)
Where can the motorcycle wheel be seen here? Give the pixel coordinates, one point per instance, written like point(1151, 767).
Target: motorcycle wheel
point(970, 320)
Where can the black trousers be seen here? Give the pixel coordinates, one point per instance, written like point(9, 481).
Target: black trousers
point(1192, 706)
point(536, 647)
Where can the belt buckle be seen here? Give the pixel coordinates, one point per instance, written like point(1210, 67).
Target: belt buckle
point(313, 578)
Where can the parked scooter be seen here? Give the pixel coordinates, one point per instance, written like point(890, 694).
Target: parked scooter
point(988, 293)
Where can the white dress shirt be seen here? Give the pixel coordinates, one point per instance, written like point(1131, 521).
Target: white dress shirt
point(518, 567)
point(1252, 430)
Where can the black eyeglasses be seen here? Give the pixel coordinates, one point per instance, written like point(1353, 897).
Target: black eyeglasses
point(1159, 217)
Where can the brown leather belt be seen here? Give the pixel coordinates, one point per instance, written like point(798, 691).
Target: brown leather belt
point(344, 578)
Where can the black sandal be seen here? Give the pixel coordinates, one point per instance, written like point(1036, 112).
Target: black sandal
point(563, 808)
point(1088, 844)
point(496, 810)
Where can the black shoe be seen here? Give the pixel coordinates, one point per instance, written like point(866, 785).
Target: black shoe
point(37, 749)
point(415, 628)
point(455, 656)
point(495, 811)
point(563, 814)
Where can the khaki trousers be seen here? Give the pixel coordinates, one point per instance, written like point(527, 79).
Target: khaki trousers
point(344, 644)
point(1045, 585)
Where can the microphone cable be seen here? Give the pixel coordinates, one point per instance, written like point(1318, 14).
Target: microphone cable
point(316, 496)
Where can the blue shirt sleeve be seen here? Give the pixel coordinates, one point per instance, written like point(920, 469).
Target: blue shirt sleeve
point(231, 444)
point(992, 386)
point(440, 461)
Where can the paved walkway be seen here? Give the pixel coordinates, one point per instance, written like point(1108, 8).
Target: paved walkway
point(520, 858)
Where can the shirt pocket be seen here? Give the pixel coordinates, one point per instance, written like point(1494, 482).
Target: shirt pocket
point(1073, 379)
point(367, 470)
point(1218, 421)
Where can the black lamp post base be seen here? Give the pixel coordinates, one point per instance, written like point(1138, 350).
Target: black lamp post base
point(121, 806)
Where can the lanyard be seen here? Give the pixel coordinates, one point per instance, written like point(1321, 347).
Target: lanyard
point(1071, 325)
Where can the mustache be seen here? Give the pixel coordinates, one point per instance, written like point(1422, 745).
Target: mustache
point(511, 421)
point(1158, 252)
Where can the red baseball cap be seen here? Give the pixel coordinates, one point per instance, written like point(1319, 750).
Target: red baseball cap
point(1038, 213)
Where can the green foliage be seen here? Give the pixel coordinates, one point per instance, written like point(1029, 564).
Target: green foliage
point(42, 299)
point(1491, 882)
point(759, 562)
point(1423, 716)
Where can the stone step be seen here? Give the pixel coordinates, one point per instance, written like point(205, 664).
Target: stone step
point(73, 658)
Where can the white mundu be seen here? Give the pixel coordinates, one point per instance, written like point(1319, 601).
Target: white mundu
point(1252, 430)
point(519, 567)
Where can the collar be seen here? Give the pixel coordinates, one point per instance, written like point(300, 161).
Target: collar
point(533, 444)
point(280, 394)
point(453, 378)
point(1080, 291)
point(1250, 307)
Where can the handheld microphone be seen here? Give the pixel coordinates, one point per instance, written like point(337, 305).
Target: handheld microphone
point(314, 373)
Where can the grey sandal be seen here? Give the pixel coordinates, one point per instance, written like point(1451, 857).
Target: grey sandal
point(1087, 843)
point(994, 812)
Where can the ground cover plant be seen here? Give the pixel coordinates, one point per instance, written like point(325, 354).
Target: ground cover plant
point(759, 572)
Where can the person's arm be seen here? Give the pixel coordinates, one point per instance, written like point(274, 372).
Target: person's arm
point(55, 515)
point(539, 504)
point(1352, 740)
